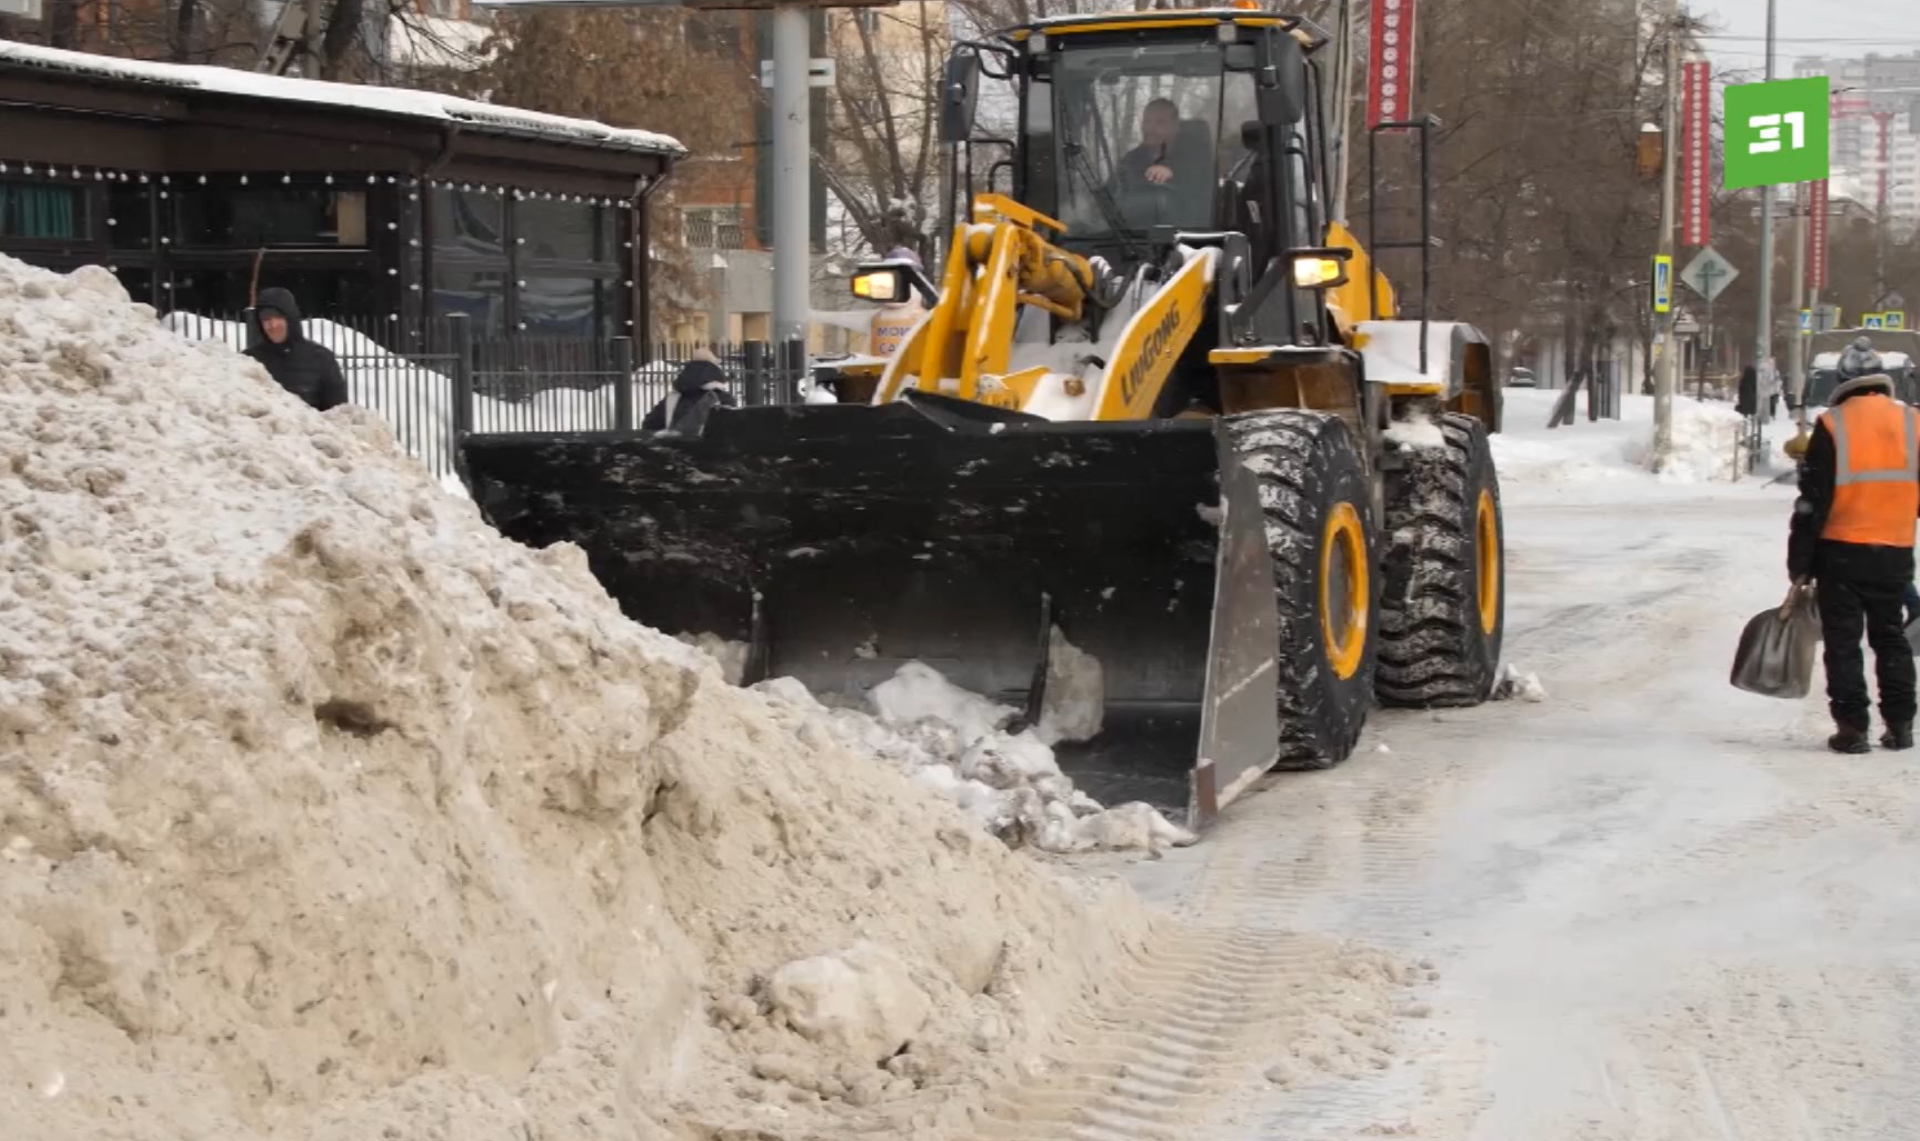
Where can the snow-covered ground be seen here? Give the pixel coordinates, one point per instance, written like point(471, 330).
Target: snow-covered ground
point(330, 814)
point(1608, 458)
point(1650, 907)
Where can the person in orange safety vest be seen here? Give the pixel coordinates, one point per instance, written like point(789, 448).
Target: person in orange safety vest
point(1853, 534)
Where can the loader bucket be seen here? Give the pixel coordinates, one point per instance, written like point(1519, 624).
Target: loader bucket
point(841, 541)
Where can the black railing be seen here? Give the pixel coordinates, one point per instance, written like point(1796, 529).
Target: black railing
point(454, 383)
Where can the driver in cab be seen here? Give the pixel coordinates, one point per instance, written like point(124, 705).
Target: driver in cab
point(1164, 157)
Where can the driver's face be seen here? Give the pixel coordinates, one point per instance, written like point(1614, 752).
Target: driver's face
point(1157, 126)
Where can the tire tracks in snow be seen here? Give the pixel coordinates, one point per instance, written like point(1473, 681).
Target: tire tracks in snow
point(1285, 977)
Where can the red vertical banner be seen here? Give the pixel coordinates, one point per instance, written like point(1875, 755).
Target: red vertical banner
point(1696, 148)
point(1817, 235)
point(1390, 69)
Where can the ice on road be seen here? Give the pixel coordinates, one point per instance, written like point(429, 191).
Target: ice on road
point(1652, 906)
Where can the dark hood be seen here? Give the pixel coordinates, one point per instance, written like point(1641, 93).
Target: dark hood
point(281, 300)
point(695, 376)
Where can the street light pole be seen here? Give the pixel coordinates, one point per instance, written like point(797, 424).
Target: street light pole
point(1664, 379)
point(792, 140)
point(1797, 351)
point(1763, 340)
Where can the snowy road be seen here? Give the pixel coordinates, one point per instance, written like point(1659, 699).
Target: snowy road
point(1649, 908)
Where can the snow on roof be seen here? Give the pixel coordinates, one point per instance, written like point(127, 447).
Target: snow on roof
point(426, 105)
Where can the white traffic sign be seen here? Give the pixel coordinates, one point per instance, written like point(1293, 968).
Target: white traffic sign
point(1709, 274)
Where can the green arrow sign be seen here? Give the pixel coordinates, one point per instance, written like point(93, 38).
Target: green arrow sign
point(1776, 133)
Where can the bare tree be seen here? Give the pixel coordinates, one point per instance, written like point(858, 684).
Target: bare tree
point(882, 157)
point(635, 69)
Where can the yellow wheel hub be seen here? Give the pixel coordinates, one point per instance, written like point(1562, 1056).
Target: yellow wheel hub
point(1343, 590)
point(1486, 545)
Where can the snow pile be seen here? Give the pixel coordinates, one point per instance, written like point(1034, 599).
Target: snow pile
point(1706, 438)
point(731, 657)
point(958, 744)
point(1416, 431)
point(327, 814)
point(1526, 452)
point(1515, 684)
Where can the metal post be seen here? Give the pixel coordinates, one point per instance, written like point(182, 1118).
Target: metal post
point(754, 364)
point(719, 319)
point(1343, 114)
point(460, 339)
point(1797, 351)
point(1763, 339)
point(1665, 380)
point(623, 384)
point(793, 366)
point(792, 139)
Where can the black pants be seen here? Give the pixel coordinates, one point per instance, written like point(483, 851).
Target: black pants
point(1877, 609)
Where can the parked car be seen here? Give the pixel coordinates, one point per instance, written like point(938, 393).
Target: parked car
point(1521, 378)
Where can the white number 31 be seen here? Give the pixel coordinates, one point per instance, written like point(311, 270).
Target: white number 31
point(1769, 128)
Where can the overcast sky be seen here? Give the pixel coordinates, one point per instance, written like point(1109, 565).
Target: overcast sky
point(1808, 27)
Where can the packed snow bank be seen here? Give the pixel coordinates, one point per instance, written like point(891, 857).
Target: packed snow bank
point(1525, 451)
point(327, 814)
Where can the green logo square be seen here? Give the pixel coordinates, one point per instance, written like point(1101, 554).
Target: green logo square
point(1776, 133)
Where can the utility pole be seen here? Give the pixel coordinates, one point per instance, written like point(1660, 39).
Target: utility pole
point(793, 172)
point(1797, 351)
point(1665, 381)
point(1348, 44)
point(1763, 340)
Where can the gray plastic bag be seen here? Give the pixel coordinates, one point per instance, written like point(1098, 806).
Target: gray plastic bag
point(1775, 658)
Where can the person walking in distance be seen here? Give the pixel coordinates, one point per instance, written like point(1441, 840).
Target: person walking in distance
point(1853, 534)
point(307, 370)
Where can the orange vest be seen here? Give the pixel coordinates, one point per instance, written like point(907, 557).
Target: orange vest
point(1876, 491)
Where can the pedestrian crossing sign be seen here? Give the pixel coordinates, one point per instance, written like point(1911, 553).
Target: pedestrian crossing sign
point(1873, 320)
point(1896, 318)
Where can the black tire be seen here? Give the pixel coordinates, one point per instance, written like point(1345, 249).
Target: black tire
point(1311, 472)
point(1440, 634)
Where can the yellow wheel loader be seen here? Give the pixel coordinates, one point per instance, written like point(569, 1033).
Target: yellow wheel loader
point(1160, 402)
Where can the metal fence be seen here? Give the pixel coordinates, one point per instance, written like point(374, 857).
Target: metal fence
point(433, 384)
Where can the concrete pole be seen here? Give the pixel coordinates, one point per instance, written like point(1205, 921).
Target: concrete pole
point(1665, 379)
point(1797, 352)
point(792, 173)
point(1348, 44)
point(1763, 339)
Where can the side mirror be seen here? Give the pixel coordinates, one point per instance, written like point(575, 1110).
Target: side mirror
point(886, 284)
point(1281, 87)
point(959, 96)
point(1319, 268)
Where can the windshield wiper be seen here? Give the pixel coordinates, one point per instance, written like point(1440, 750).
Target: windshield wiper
point(1077, 163)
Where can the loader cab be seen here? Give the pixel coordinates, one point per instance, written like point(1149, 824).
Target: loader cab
point(1133, 129)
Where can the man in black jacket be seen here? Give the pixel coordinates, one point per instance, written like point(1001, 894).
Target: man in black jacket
point(303, 368)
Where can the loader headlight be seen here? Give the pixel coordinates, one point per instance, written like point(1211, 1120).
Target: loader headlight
point(887, 285)
point(1319, 269)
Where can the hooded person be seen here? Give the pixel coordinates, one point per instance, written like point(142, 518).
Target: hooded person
point(308, 370)
point(1859, 359)
point(1853, 534)
point(700, 387)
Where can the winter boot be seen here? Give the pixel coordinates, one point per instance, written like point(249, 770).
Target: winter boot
point(1850, 740)
point(1898, 737)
